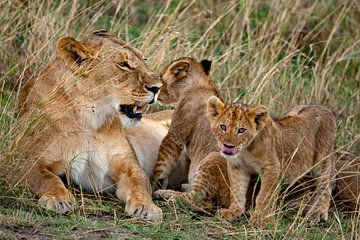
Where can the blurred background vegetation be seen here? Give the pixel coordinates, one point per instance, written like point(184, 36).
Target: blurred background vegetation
point(278, 53)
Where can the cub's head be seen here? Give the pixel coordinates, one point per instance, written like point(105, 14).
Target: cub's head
point(235, 126)
point(181, 75)
point(107, 76)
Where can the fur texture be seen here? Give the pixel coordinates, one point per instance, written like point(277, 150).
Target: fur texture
point(300, 143)
point(186, 83)
point(84, 102)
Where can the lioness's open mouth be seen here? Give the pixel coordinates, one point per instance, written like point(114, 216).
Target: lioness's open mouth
point(132, 111)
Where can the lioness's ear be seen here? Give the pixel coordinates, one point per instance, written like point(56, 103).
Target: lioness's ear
point(214, 107)
point(180, 68)
point(260, 114)
point(206, 64)
point(73, 52)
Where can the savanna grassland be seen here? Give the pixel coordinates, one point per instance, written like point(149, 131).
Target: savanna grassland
point(277, 53)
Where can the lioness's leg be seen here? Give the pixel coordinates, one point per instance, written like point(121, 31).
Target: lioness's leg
point(133, 187)
point(239, 182)
point(50, 188)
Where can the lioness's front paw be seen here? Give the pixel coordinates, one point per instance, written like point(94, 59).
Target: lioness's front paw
point(147, 211)
point(58, 202)
point(229, 214)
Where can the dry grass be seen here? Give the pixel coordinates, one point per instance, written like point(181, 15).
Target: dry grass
point(278, 53)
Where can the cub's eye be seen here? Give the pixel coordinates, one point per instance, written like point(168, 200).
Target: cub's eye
point(223, 127)
point(241, 130)
point(124, 64)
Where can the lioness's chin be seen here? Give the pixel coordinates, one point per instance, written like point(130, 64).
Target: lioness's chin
point(129, 114)
point(127, 122)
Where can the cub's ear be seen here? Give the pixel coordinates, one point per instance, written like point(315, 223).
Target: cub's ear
point(180, 68)
point(214, 107)
point(73, 52)
point(260, 114)
point(206, 64)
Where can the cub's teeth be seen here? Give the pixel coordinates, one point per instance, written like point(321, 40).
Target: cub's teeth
point(134, 109)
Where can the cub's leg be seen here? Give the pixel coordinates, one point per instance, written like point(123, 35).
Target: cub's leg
point(267, 197)
point(46, 184)
point(239, 182)
point(133, 187)
point(324, 167)
point(169, 152)
point(321, 199)
point(171, 147)
point(210, 181)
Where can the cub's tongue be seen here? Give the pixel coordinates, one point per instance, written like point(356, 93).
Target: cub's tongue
point(228, 151)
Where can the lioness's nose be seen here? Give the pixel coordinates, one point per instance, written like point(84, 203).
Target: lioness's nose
point(154, 90)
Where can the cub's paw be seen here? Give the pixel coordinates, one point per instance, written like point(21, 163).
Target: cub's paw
point(147, 211)
point(165, 194)
point(159, 183)
point(185, 187)
point(58, 202)
point(318, 215)
point(229, 214)
point(259, 218)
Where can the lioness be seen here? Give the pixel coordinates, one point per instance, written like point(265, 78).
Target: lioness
point(287, 148)
point(88, 98)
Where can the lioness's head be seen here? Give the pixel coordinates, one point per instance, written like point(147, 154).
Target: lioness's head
point(108, 76)
point(179, 76)
point(235, 126)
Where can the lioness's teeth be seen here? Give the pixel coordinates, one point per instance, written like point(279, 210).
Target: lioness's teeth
point(139, 110)
point(134, 109)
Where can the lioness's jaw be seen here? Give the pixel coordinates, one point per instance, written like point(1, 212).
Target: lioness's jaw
point(131, 111)
point(128, 122)
point(73, 52)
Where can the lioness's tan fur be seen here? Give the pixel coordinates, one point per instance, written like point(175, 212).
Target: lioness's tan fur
point(81, 130)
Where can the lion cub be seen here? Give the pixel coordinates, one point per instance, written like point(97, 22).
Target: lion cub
point(301, 142)
point(186, 84)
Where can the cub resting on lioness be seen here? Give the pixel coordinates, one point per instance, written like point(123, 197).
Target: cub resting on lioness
point(186, 83)
point(88, 99)
point(287, 148)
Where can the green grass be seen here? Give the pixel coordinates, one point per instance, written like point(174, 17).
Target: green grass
point(278, 53)
point(105, 219)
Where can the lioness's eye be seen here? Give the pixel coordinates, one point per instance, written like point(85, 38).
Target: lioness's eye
point(241, 130)
point(124, 64)
point(223, 127)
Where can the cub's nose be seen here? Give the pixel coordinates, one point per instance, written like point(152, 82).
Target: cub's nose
point(154, 90)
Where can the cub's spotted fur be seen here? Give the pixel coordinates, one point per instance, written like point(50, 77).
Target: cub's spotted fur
point(186, 83)
point(287, 148)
